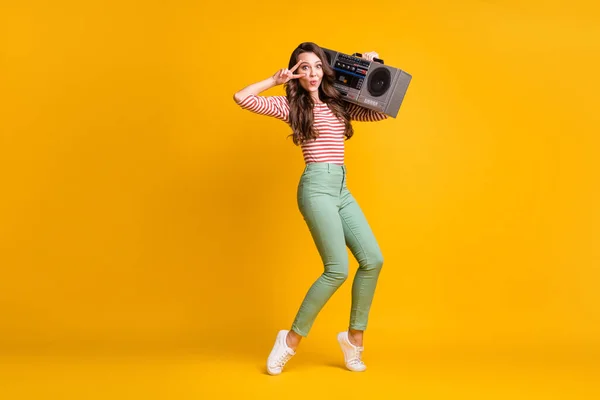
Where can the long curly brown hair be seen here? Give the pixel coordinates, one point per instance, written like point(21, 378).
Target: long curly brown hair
point(301, 117)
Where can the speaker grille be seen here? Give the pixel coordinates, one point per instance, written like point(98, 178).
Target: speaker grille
point(379, 82)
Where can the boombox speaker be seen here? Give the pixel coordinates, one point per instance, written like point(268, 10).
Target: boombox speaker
point(370, 84)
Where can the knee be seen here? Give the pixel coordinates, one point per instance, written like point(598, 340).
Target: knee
point(375, 261)
point(337, 276)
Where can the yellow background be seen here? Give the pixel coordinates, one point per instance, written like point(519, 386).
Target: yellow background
point(144, 213)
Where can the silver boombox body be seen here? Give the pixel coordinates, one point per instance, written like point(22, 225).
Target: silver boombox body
point(370, 84)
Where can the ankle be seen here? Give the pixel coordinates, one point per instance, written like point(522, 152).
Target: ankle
point(355, 337)
point(293, 340)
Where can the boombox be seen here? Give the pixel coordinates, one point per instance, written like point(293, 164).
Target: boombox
point(370, 84)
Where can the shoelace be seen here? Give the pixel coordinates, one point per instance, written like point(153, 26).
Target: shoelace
point(356, 358)
point(283, 359)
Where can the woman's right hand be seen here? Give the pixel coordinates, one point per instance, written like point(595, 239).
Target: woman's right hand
point(284, 75)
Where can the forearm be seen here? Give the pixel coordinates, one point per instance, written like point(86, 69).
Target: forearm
point(254, 89)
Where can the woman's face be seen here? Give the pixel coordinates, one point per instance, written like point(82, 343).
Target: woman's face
point(312, 69)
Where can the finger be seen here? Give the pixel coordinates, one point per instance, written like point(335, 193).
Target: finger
point(296, 66)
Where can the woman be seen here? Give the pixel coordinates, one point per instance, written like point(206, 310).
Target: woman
point(320, 123)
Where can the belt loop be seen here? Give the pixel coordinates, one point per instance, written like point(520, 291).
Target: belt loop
point(328, 167)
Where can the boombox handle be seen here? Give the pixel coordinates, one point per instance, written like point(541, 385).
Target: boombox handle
point(379, 60)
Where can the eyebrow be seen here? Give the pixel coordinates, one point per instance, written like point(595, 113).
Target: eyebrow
point(306, 62)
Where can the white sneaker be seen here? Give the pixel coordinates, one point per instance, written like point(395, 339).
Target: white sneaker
point(280, 354)
point(352, 353)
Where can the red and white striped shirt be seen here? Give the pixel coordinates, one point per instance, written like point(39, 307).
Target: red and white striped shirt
point(329, 145)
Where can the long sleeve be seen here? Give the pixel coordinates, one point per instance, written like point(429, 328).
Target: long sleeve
point(272, 106)
point(359, 113)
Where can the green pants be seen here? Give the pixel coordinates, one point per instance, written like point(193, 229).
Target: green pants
point(335, 221)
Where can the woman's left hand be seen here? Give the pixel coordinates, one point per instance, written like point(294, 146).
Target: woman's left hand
point(370, 55)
